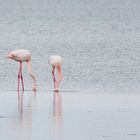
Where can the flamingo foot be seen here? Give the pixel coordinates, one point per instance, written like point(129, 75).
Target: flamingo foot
point(34, 88)
point(56, 90)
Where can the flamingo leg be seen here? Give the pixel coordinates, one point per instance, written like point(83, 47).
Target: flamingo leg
point(22, 83)
point(54, 79)
point(31, 74)
point(59, 76)
point(19, 76)
point(18, 82)
point(22, 79)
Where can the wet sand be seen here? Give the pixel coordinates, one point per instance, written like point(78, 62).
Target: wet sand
point(69, 116)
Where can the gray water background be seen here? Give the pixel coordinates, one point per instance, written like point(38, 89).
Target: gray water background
point(99, 41)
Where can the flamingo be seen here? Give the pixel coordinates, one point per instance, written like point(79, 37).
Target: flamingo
point(20, 56)
point(56, 62)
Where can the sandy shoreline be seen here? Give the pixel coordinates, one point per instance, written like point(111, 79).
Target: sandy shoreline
point(69, 116)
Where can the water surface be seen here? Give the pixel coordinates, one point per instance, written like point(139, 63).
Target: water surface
point(98, 41)
point(61, 116)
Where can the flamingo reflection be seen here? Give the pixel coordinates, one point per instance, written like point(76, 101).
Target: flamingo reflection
point(25, 115)
point(20, 105)
point(57, 114)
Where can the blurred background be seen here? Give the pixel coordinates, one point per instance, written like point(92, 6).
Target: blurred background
point(99, 41)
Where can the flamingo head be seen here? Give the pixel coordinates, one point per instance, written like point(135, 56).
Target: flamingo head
point(11, 55)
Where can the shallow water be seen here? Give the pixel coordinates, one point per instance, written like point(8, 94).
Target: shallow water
point(61, 116)
point(100, 46)
point(98, 41)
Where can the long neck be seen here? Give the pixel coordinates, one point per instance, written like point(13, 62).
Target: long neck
point(59, 74)
point(31, 74)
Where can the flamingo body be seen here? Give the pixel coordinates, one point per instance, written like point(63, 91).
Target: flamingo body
point(20, 55)
point(23, 55)
point(56, 62)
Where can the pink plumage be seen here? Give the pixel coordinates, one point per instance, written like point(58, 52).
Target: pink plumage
point(56, 62)
point(23, 55)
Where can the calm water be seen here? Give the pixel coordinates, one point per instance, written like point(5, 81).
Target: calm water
point(97, 56)
point(61, 116)
point(98, 40)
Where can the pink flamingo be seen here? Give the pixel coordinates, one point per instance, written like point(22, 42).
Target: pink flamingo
point(23, 56)
point(56, 61)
